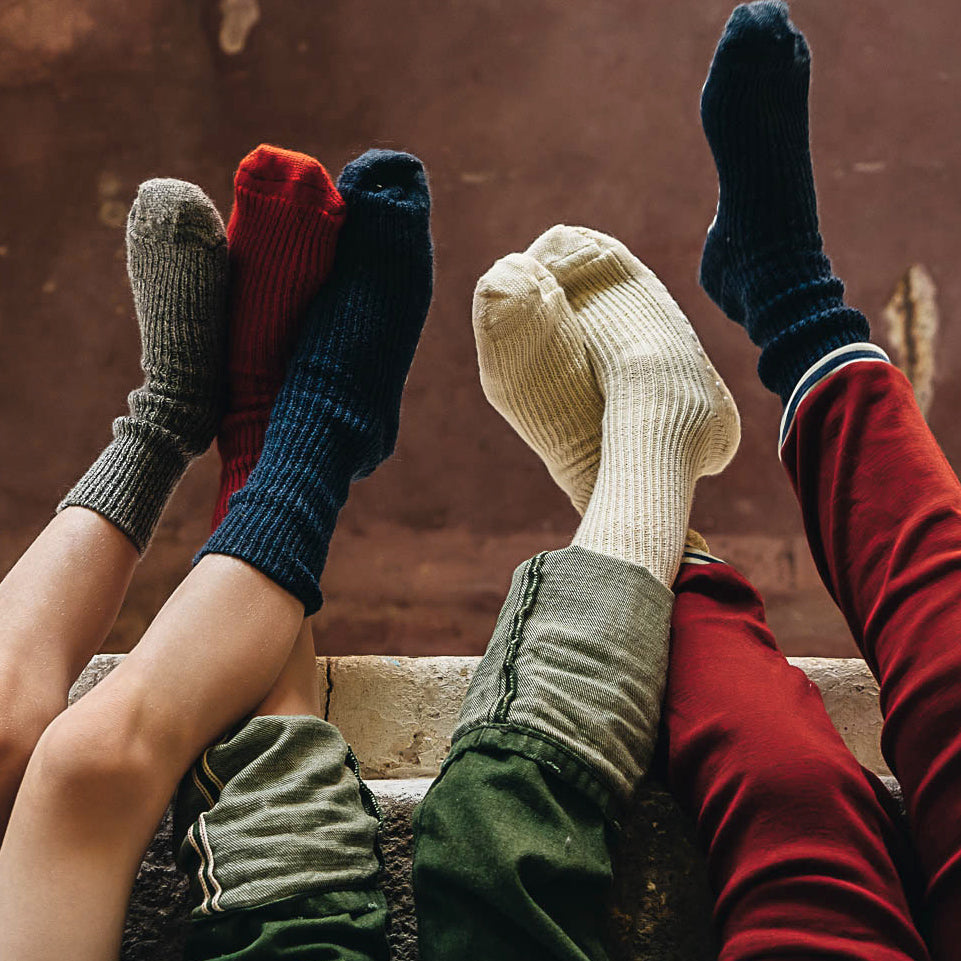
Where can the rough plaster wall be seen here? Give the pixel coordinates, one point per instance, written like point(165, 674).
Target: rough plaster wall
point(526, 114)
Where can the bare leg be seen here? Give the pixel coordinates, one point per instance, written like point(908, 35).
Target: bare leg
point(57, 605)
point(296, 691)
point(104, 771)
point(62, 597)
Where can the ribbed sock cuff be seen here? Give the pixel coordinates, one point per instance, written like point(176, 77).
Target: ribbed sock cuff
point(279, 541)
point(131, 481)
point(822, 368)
point(789, 355)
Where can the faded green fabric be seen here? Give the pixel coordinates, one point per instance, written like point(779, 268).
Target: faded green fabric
point(511, 863)
point(275, 811)
point(340, 926)
point(512, 845)
point(579, 658)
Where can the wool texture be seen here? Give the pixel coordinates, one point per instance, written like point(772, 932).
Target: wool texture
point(763, 261)
point(668, 417)
point(337, 414)
point(280, 239)
point(536, 373)
point(177, 264)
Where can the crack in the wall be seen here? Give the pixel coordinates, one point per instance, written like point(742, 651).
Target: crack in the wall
point(330, 688)
point(912, 318)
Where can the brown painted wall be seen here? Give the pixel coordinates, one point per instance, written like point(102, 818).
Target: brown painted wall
point(527, 113)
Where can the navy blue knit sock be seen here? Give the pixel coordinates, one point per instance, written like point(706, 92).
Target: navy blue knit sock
point(763, 262)
point(336, 417)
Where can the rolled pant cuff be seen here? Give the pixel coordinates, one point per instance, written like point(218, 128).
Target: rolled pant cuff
point(276, 810)
point(822, 368)
point(575, 670)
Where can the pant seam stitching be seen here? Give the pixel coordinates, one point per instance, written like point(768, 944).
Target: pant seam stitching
point(508, 669)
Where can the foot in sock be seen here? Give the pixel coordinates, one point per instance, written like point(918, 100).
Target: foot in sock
point(668, 417)
point(535, 368)
point(536, 373)
point(177, 264)
point(281, 238)
point(763, 262)
point(336, 416)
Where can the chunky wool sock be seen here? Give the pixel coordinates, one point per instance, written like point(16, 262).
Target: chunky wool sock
point(536, 373)
point(763, 262)
point(668, 417)
point(177, 263)
point(336, 416)
point(281, 238)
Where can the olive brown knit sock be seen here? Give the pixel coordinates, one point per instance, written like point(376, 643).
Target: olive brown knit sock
point(177, 263)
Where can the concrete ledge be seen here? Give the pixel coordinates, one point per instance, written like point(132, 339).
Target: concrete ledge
point(398, 714)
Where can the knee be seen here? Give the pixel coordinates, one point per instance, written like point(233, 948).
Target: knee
point(92, 762)
point(24, 715)
point(18, 738)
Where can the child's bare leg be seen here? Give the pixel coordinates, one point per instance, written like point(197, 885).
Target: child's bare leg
point(60, 600)
point(104, 770)
point(56, 606)
point(295, 691)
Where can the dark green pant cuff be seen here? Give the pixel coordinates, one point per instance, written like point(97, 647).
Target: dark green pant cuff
point(501, 739)
point(341, 925)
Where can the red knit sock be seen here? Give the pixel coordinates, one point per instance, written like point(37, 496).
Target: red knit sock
point(281, 238)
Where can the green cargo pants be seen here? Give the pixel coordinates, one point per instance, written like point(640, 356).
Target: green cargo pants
point(512, 855)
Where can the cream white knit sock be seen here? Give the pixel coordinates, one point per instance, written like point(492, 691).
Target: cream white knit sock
point(535, 370)
point(668, 417)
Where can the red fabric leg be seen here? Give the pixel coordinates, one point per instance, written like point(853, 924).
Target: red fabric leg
point(798, 839)
point(882, 509)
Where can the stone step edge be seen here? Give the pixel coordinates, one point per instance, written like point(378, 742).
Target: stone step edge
point(398, 713)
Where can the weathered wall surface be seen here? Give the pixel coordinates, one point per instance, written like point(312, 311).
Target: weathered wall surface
point(527, 114)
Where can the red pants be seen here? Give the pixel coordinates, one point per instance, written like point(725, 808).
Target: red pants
point(803, 853)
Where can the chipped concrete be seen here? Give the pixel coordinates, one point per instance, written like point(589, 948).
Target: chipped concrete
point(238, 19)
point(398, 713)
point(851, 697)
point(913, 319)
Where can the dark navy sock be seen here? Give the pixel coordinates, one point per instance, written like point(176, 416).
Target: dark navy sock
point(336, 417)
point(763, 261)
